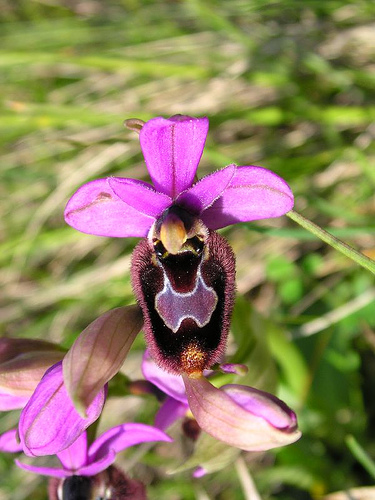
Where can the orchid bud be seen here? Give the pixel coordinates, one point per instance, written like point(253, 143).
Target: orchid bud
point(241, 416)
point(23, 363)
point(11, 348)
point(98, 353)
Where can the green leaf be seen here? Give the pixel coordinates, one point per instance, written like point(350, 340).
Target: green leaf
point(210, 454)
point(250, 332)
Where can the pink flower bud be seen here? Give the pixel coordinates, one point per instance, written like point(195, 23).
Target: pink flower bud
point(241, 416)
point(98, 353)
point(23, 363)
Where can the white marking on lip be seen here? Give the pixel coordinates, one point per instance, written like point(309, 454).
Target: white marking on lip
point(173, 307)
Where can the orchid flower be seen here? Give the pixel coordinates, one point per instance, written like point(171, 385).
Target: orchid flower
point(183, 272)
point(79, 459)
point(238, 415)
point(87, 469)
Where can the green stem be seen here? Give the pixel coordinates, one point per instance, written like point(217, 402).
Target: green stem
point(334, 242)
point(360, 454)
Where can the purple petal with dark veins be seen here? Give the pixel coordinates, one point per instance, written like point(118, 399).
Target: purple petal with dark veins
point(207, 190)
point(123, 436)
point(140, 195)
point(98, 353)
point(49, 423)
point(172, 149)
point(96, 209)
point(10, 348)
point(44, 471)
point(254, 193)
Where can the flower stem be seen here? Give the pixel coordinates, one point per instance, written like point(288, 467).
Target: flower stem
point(360, 454)
point(249, 489)
point(334, 242)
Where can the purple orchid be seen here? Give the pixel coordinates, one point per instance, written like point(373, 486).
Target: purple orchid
point(79, 459)
point(238, 415)
point(183, 274)
point(49, 423)
point(87, 471)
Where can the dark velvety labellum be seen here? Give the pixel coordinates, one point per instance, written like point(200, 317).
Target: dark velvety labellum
point(77, 488)
point(187, 299)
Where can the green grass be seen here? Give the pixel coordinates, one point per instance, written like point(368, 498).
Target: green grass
point(287, 85)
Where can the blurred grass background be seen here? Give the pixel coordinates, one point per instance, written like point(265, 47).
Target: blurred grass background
point(287, 85)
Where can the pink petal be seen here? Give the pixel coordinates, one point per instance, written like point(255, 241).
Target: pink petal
point(75, 456)
point(123, 436)
point(98, 353)
point(140, 195)
point(44, 471)
point(262, 404)
point(10, 402)
point(172, 149)
point(199, 472)
point(254, 193)
point(99, 465)
point(167, 382)
point(96, 209)
point(9, 442)
point(49, 422)
point(223, 418)
point(206, 191)
point(238, 369)
point(170, 411)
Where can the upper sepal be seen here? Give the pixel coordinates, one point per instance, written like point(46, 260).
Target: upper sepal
point(172, 148)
